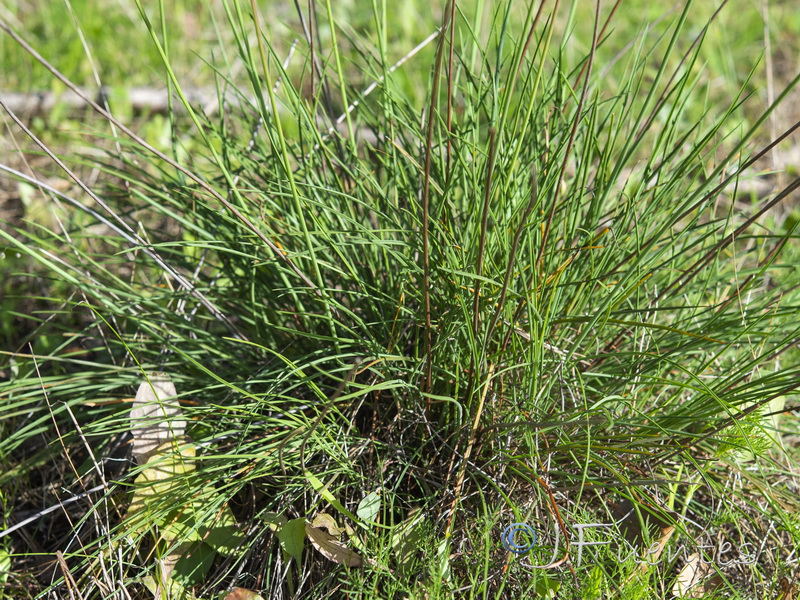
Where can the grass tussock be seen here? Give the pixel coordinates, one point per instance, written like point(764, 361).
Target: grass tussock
point(524, 295)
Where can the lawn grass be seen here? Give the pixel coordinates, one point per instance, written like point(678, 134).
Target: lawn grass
point(516, 283)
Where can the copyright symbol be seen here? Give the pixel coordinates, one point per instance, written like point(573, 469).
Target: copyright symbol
point(510, 543)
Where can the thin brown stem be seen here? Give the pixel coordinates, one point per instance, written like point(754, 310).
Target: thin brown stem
point(473, 436)
point(561, 525)
point(512, 257)
point(426, 196)
point(450, 86)
point(572, 135)
point(475, 364)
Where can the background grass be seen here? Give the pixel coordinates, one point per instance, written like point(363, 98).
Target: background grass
point(548, 304)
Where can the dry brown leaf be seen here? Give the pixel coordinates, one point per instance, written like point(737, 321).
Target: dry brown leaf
point(238, 593)
point(326, 521)
point(331, 548)
point(155, 417)
point(695, 579)
point(688, 580)
point(787, 589)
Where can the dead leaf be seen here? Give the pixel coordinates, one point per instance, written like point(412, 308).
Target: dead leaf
point(167, 565)
point(326, 521)
point(238, 593)
point(689, 577)
point(164, 587)
point(654, 521)
point(695, 579)
point(331, 548)
point(155, 417)
point(787, 589)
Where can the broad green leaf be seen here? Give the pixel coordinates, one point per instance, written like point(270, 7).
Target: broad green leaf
point(292, 537)
point(443, 559)
point(180, 527)
point(5, 565)
point(274, 520)
point(406, 539)
point(224, 535)
point(369, 507)
point(193, 564)
point(547, 587)
point(150, 583)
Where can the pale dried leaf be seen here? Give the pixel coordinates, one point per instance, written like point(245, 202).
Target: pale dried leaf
point(156, 417)
point(166, 587)
point(331, 548)
point(695, 579)
point(326, 521)
point(687, 581)
point(788, 589)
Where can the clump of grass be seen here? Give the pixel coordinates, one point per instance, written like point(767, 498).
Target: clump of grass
point(527, 298)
